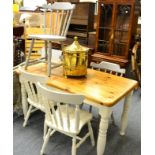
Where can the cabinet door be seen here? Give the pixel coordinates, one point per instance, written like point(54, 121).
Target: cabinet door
point(122, 30)
point(105, 28)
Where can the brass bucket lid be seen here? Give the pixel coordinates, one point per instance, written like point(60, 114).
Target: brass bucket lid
point(75, 47)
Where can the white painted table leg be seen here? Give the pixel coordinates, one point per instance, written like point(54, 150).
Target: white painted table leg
point(24, 100)
point(105, 113)
point(124, 117)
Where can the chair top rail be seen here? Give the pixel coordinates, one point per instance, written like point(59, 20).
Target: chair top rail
point(62, 6)
point(31, 77)
point(58, 6)
point(108, 66)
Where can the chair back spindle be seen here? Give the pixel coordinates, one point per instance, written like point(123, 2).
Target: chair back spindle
point(60, 15)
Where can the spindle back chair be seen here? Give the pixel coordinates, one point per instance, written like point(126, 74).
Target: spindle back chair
point(29, 81)
point(54, 30)
point(67, 118)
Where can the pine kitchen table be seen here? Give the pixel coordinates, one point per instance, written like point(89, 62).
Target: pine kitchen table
point(102, 90)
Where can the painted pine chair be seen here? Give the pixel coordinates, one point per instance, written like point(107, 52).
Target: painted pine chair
point(60, 17)
point(67, 118)
point(29, 81)
point(111, 68)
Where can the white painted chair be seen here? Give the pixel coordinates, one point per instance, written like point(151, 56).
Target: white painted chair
point(28, 81)
point(111, 68)
point(60, 17)
point(67, 118)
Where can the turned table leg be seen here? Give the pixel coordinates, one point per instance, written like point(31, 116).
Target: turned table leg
point(105, 113)
point(124, 117)
point(24, 100)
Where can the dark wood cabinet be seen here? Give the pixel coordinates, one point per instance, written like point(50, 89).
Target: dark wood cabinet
point(82, 21)
point(115, 28)
point(18, 45)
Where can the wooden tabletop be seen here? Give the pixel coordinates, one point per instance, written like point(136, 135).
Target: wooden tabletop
point(103, 88)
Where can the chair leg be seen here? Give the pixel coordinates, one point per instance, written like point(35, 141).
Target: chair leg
point(81, 105)
point(27, 116)
point(46, 139)
point(62, 45)
point(45, 129)
point(90, 108)
point(91, 134)
point(74, 146)
point(29, 54)
point(62, 54)
point(113, 119)
point(49, 58)
point(46, 50)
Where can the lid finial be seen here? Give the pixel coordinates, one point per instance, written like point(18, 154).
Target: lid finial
point(75, 38)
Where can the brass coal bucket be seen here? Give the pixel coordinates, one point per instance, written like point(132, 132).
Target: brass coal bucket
point(75, 59)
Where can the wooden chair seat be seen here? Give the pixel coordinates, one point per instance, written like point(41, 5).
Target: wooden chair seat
point(84, 115)
point(47, 37)
point(38, 106)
